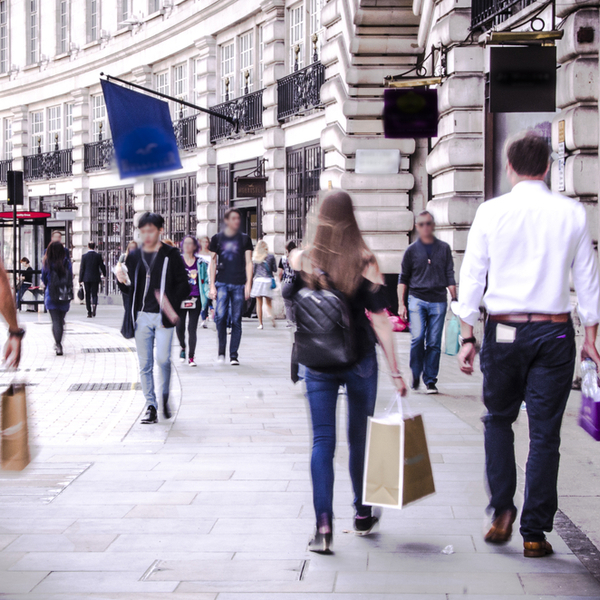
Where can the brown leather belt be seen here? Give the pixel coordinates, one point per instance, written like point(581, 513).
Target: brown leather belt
point(531, 318)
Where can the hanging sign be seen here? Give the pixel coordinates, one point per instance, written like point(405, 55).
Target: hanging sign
point(410, 113)
point(251, 187)
point(22, 214)
point(523, 79)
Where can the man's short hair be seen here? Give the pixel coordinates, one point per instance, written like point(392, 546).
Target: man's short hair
point(149, 218)
point(528, 154)
point(55, 231)
point(291, 245)
point(25, 260)
point(425, 213)
point(91, 245)
point(230, 211)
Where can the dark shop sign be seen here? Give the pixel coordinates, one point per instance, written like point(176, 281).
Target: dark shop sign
point(251, 187)
point(523, 79)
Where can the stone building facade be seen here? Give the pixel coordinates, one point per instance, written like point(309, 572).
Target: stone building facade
point(306, 79)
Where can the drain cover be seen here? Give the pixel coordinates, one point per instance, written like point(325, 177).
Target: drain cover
point(104, 387)
point(115, 349)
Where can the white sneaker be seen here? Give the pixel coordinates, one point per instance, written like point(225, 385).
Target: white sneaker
point(234, 362)
point(192, 363)
point(205, 324)
point(259, 327)
point(221, 359)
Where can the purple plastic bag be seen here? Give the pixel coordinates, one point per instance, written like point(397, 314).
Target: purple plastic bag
point(589, 416)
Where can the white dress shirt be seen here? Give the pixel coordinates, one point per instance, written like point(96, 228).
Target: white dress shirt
point(527, 243)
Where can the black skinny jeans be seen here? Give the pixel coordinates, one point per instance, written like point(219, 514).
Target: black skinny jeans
point(193, 316)
point(58, 324)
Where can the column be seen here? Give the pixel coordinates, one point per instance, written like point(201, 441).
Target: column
point(143, 188)
point(206, 178)
point(273, 220)
point(81, 187)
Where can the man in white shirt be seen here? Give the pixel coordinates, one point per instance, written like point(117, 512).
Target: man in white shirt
point(522, 249)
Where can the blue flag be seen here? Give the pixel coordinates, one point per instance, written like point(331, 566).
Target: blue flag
point(142, 132)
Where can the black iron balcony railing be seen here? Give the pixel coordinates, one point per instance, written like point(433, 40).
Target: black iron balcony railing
point(5, 166)
point(49, 165)
point(300, 91)
point(185, 131)
point(98, 155)
point(485, 14)
point(246, 110)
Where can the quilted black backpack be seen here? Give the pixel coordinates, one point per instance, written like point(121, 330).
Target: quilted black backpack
point(325, 338)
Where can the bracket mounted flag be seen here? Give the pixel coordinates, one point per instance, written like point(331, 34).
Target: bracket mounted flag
point(142, 131)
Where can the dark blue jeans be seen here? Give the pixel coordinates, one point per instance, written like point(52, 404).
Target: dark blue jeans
point(322, 393)
point(537, 367)
point(230, 305)
point(426, 327)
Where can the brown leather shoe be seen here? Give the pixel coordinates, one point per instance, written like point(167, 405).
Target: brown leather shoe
point(501, 529)
point(537, 549)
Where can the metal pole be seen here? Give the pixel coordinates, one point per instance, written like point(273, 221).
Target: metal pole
point(167, 97)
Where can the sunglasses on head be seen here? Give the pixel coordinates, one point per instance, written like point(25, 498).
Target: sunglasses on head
point(425, 224)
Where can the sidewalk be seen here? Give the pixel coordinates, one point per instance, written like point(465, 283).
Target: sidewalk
point(216, 505)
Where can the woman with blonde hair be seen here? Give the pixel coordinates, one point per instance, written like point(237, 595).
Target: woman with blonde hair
point(263, 282)
point(339, 260)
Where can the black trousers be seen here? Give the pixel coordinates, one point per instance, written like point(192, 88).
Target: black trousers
point(91, 294)
point(193, 316)
point(58, 324)
point(537, 368)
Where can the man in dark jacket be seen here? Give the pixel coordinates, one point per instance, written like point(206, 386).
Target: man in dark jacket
point(90, 271)
point(427, 270)
point(157, 281)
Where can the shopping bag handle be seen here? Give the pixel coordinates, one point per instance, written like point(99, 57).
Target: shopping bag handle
point(402, 404)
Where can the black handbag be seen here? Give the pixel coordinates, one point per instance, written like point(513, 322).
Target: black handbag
point(324, 338)
point(128, 326)
point(80, 293)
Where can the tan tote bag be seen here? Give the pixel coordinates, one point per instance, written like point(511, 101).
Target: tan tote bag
point(397, 465)
point(13, 429)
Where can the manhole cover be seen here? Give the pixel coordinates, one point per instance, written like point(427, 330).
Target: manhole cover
point(115, 349)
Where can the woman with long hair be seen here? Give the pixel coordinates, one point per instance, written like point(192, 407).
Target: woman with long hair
point(339, 259)
point(265, 268)
point(57, 276)
point(191, 307)
point(205, 255)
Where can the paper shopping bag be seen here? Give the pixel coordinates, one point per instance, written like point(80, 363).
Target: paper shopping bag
point(589, 416)
point(397, 465)
point(13, 429)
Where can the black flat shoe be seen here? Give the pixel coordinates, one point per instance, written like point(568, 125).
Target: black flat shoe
point(150, 416)
point(322, 541)
point(365, 526)
point(166, 407)
point(58, 349)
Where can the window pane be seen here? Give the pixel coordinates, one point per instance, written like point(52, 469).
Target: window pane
point(246, 44)
point(37, 131)
point(296, 20)
point(3, 36)
point(227, 70)
point(54, 127)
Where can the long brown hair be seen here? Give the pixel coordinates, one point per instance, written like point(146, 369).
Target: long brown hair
point(55, 256)
point(338, 253)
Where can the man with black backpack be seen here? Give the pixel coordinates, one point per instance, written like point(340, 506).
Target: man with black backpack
point(231, 274)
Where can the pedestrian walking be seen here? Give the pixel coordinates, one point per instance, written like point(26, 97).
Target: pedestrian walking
point(263, 281)
point(230, 281)
point(427, 270)
point(56, 236)
point(26, 279)
point(286, 276)
point(157, 282)
point(340, 260)
point(192, 306)
point(205, 256)
point(57, 277)
point(522, 250)
point(91, 271)
point(122, 261)
point(133, 245)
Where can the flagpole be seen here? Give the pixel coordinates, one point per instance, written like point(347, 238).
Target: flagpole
point(213, 113)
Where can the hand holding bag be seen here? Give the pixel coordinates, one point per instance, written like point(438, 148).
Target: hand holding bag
point(397, 465)
point(13, 428)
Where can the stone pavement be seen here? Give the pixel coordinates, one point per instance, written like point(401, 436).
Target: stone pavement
point(216, 505)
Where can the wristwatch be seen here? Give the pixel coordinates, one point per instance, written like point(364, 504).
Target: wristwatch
point(18, 333)
point(469, 340)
